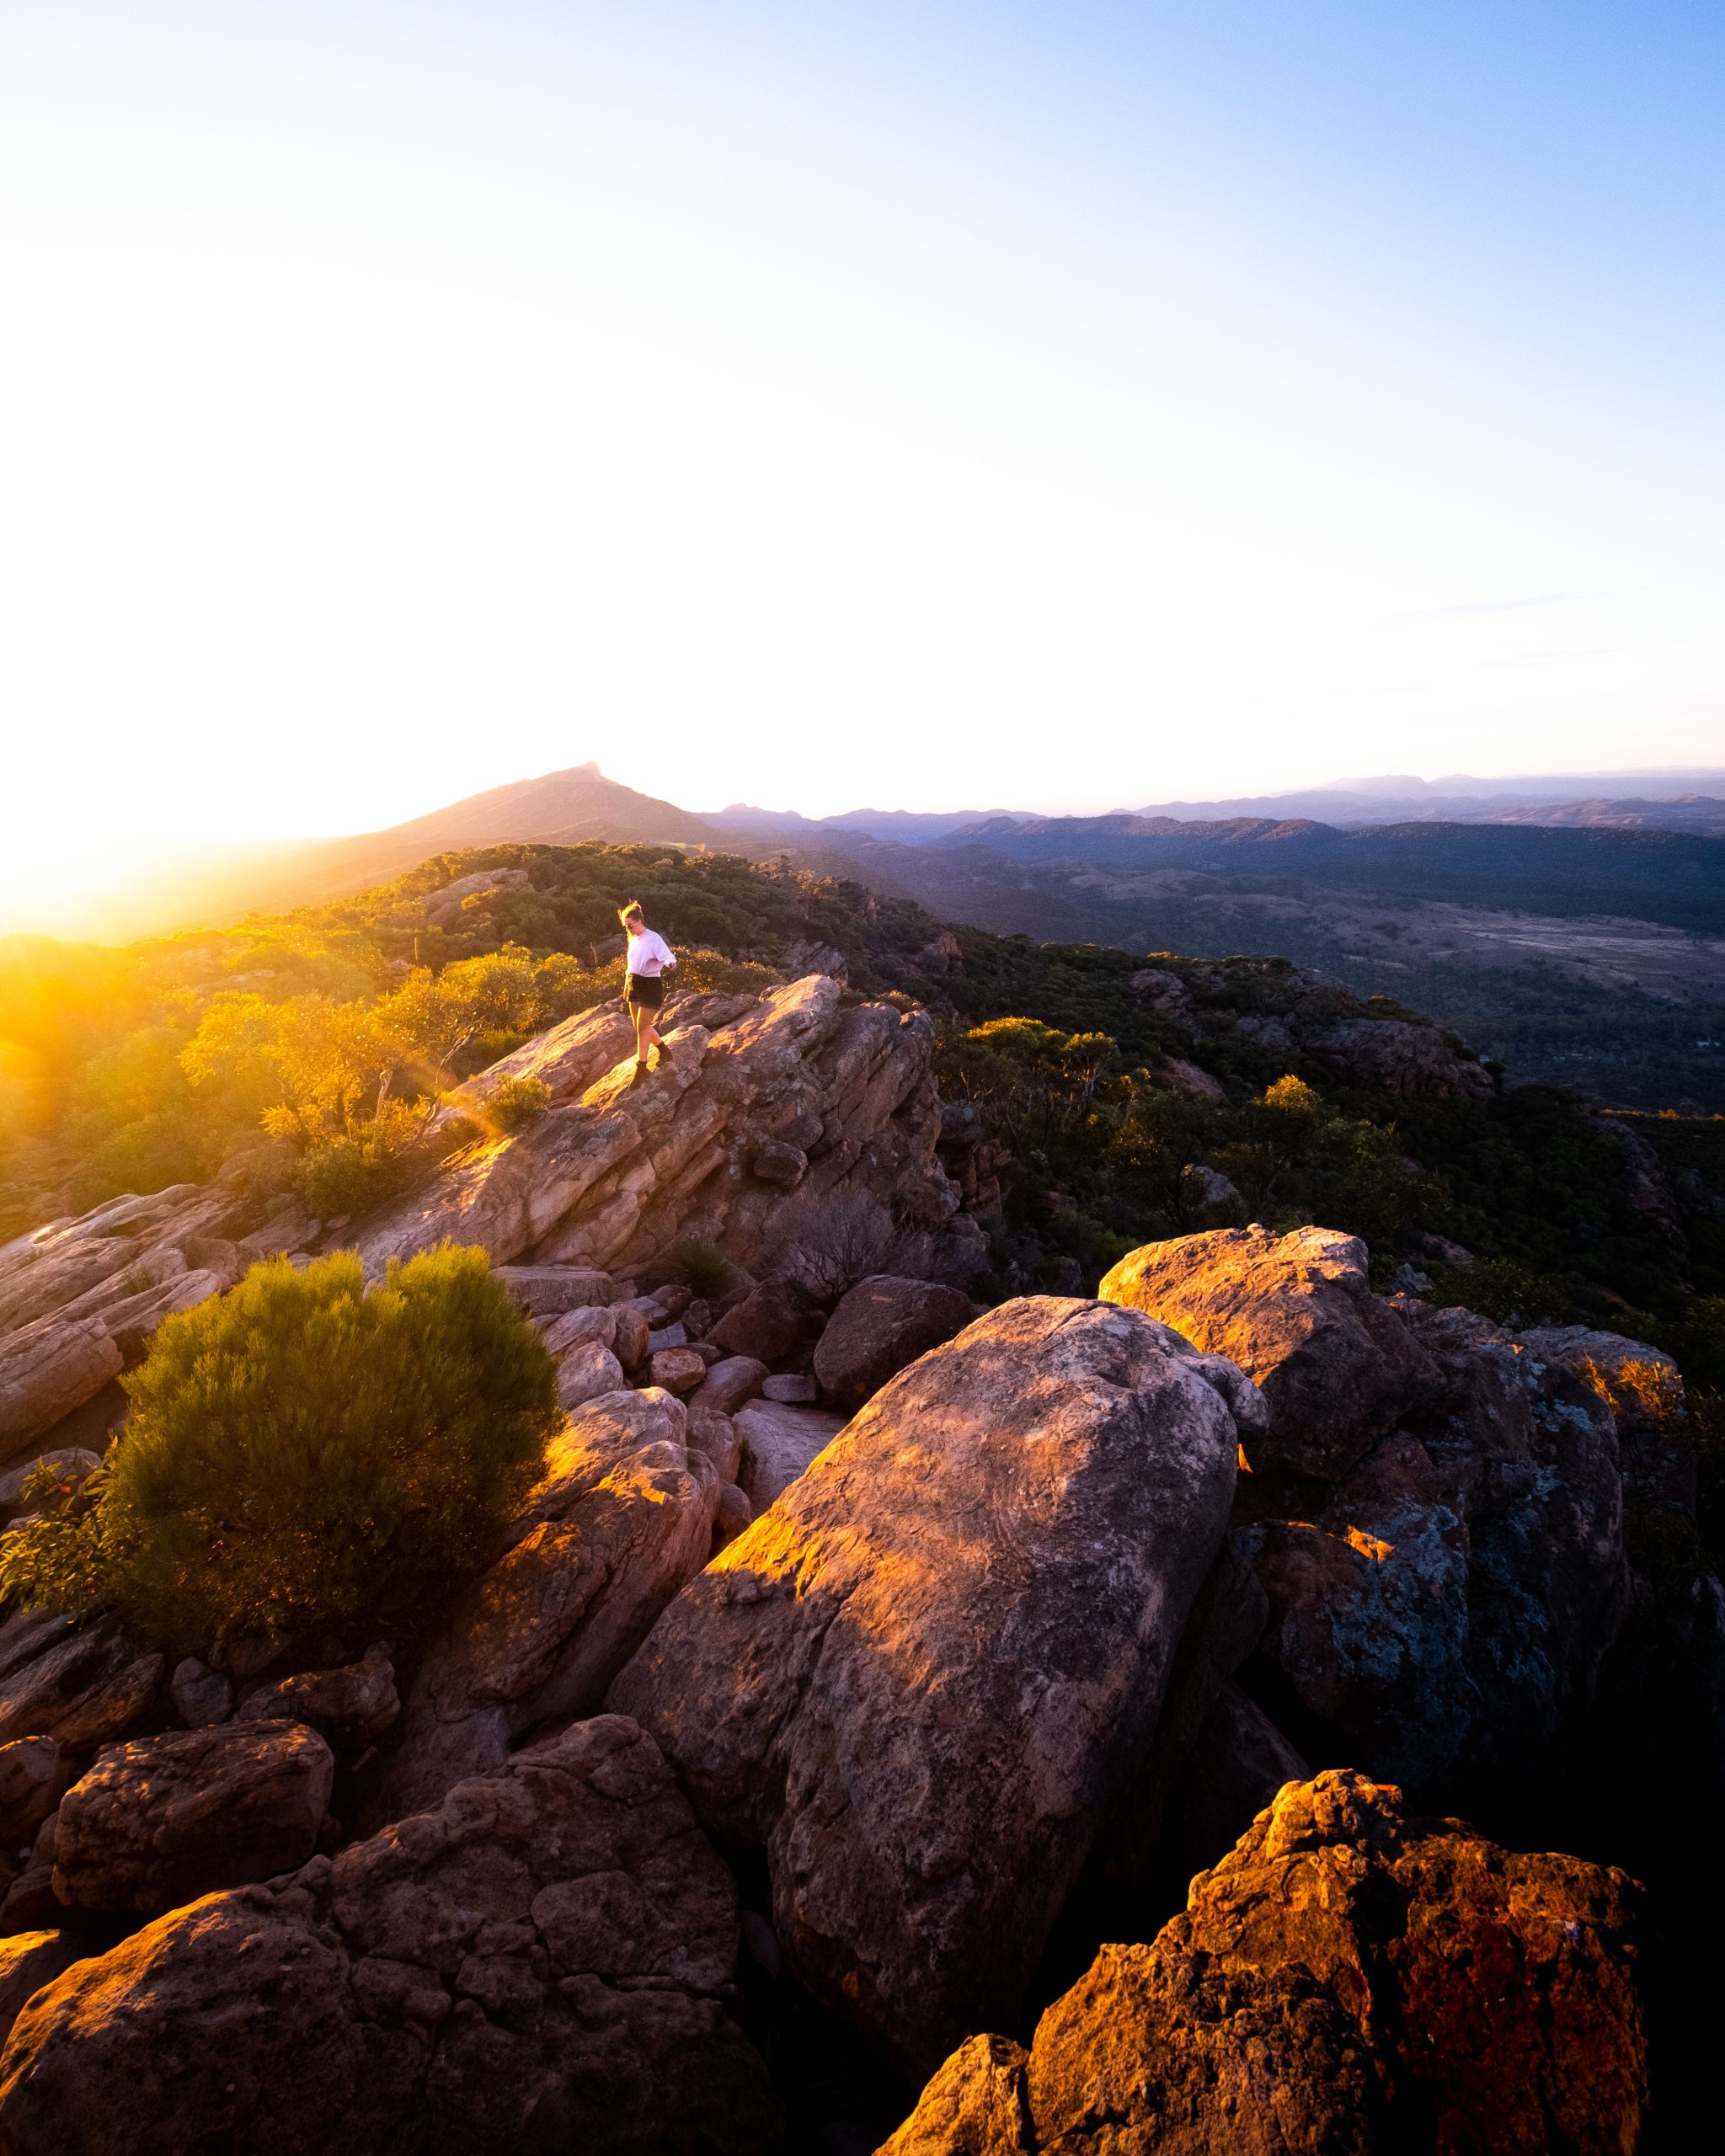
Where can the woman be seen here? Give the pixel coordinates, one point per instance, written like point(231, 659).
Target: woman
point(649, 957)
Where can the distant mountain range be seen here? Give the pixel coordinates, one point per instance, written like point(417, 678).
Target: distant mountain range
point(1587, 852)
point(1580, 937)
point(1393, 799)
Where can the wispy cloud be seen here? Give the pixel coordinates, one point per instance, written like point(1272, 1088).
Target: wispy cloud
point(1546, 657)
point(1481, 606)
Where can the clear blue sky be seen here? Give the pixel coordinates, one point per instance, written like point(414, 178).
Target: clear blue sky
point(1052, 405)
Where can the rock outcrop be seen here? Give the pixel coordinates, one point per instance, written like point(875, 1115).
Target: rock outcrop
point(163, 1819)
point(612, 1173)
point(1337, 1366)
point(920, 1680)
point(79, 1298)
point(1349, 1981)
point(540, 1964)
point(624, 1516)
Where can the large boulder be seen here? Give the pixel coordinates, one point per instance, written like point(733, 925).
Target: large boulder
point(1349, 1981)
point(163, 1819)
point(624, 1516)
point(921, 1679)
point(539, 1965)
point(1441, 1615)
point(1338, 1366)
point(880, 1326)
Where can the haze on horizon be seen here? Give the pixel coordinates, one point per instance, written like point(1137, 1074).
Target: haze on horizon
point(1057, 407)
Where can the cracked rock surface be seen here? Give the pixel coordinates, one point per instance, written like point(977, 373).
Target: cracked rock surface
point(539, 1965)
point(920, 1679)
point(1349, 1981)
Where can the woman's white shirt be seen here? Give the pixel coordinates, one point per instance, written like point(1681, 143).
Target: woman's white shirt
point(649, 954)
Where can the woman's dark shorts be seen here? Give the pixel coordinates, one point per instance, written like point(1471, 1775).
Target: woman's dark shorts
point(646, 990)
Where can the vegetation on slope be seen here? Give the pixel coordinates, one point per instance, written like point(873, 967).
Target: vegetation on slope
point(304, 1453)
point(328, 1032)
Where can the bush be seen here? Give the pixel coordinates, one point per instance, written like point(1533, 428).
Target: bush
point(304, 1454)
point(702, 1267)
point(516, 1101)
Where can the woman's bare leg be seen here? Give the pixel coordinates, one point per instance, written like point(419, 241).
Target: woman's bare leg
point(643, 1024)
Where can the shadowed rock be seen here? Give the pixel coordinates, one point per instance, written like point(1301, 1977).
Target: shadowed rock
point(880, 1326)
point(539, 1965)
point(163, 1819)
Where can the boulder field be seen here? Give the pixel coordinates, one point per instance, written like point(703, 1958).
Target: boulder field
point(936, 1627)
point(762, 1100)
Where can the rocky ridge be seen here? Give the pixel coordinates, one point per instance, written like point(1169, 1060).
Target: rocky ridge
point(1082, 1588)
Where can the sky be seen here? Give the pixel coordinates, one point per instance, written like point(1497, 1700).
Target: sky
point(1050, 406)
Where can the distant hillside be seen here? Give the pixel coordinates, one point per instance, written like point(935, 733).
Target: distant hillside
point(1674, 878)
point(1702, 814)
point(561, 808)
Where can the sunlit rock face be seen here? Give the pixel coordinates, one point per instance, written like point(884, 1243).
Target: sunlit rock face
point(623, 1517)
point(1348, 1981)
point(1337, 1365)
point(615, 1171)
point(922, 1677)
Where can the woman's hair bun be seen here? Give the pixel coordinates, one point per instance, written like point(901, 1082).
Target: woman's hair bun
point(633, 906)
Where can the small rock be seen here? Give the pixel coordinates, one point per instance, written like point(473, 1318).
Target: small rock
point(539, 1290)
point(348, 1706)
point(665, 1336)
point(203, 1696)
point(574, 1328)
point(30, 1774)
point(767, 1323)
point(717, 1435)
point(629, 1343)
point(677, 1370)
point(586, 1372)
point(730, 1381)
point(735, 1513)
point(883, 1324)
point(779, 1164)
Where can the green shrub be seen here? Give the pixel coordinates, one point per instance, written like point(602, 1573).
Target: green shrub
point(363, 1168)
point(517, 1101)
point(701, 1266)
point(306, 1454)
